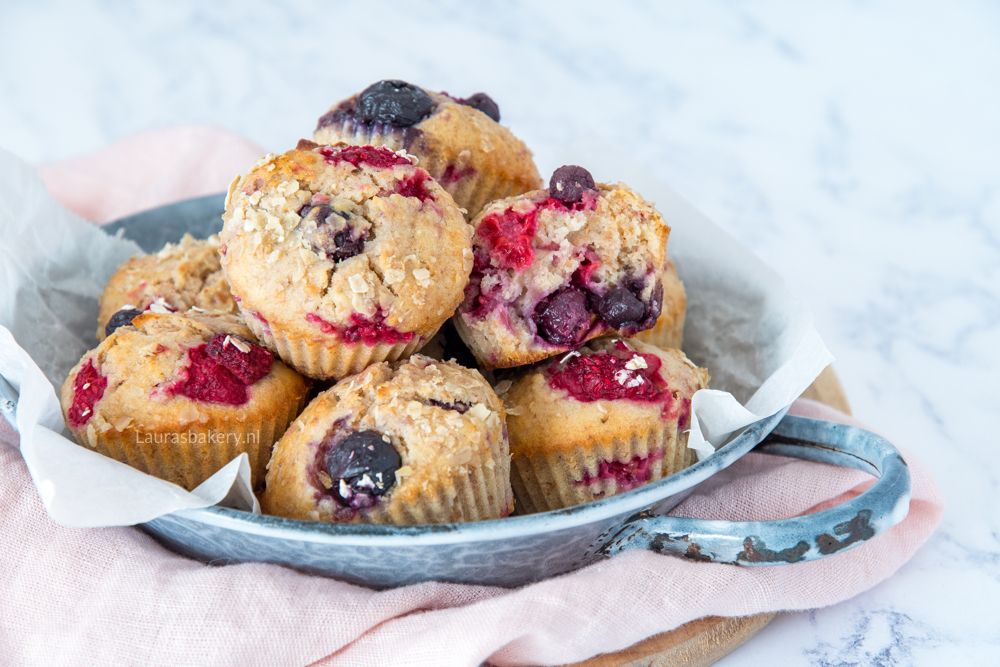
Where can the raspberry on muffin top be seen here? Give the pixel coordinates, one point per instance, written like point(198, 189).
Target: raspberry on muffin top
point(555, 268)
point(603, 419)
point(208, 360)
point(328, 248)
point(180, 395)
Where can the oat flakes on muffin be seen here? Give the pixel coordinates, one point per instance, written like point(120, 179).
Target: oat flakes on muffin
point(607, 418)
point(180, 395)
point(555, 268)
point(342, 256)
point(180, 276)
point(669, 328)
point(419, 441)
point(459, 141)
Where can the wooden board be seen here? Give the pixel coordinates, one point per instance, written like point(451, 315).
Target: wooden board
point(706, 640)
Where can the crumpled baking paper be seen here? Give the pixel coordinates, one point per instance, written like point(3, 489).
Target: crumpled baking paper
point(758, 343)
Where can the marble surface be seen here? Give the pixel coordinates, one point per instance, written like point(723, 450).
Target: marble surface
point(851, 146)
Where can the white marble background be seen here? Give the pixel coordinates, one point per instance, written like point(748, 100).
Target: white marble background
point(851, 145)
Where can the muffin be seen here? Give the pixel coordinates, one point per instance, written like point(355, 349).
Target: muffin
point(179, 396)
point(421, 441)
point(459, 141)
point(555, 268)
point(607, 418)
point(178, 277)
point(343, 256)
point(669, 328)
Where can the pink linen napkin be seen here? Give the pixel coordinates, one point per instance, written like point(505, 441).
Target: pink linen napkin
point(115, 596)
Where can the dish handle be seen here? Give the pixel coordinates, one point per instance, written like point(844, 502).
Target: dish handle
point(800, 538)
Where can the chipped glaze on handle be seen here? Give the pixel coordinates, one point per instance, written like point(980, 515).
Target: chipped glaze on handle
point(797, 539)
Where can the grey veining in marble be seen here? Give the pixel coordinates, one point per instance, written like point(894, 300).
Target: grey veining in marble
point(852, 145)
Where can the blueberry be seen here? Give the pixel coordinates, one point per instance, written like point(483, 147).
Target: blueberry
point(321, 211)
point(122, 318)
point(569, 182)
point(563, 317)
point(346, 244)
point(338, 245)
point(394, 102)
point(484, 103)
point(362, 466)
point(620, 308)
point(655, 306)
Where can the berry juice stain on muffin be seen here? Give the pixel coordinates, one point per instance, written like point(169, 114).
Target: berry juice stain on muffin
point(415, 186)
point(261, 321)
point(453, 175)
point(459, 141)
point(222, 370)
point(368, 330)
point(88, 389)
point(455, 406)
point(373, 156)
point(554, 268)
point(372, 331)
point(626, 474)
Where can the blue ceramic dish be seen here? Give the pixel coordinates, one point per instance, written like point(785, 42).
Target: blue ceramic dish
point(521, 549)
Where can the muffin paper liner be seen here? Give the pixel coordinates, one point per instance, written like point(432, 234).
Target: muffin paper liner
point(318, 359)
point(195, 457)
point(548, 481)
point(483, 493)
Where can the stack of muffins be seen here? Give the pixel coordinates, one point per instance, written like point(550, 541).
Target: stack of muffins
point(399, 324)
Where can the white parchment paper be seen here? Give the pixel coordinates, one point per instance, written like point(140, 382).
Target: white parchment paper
point(759, 344)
